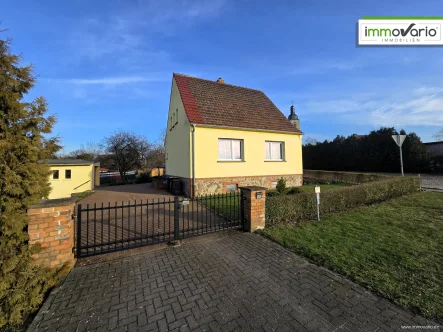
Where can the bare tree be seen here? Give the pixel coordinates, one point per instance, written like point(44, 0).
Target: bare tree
point(310, 141)
point(88, 151)
point(439, 135)
point(156, 157)
point(131, 151)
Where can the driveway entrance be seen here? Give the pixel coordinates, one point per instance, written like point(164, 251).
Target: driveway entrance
point(236, 282)
point(109, 226)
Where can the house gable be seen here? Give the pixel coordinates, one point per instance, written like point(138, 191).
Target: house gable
point(177, 141)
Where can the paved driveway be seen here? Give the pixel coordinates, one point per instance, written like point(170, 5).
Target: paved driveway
point(236, 282)
point(128, 192)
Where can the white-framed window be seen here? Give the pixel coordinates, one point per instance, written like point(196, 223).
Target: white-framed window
point(274, 151)
point(230, 149)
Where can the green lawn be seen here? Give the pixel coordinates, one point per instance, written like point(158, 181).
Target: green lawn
point(83, 194)
point(394, 248)
point(227, 205)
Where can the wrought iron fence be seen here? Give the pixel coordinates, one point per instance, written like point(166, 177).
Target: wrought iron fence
point(112, 227)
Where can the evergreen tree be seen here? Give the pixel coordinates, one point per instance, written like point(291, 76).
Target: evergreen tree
point(23, 182)
point(375, 152)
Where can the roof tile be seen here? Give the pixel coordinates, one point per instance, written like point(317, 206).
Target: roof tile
point(220, 104)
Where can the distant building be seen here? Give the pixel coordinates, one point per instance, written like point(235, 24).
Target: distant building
point(435, 148)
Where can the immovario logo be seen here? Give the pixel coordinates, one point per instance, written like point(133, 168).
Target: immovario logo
point(401, 30)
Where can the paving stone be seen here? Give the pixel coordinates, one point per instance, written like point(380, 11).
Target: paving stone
point(236, 282)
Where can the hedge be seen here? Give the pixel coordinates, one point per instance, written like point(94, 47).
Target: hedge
point(292, 208)
point(312, 176)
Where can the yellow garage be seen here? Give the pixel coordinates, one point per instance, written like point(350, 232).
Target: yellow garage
point(70, 176)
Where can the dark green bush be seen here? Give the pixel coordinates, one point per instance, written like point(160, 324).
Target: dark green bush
point(312, 176)
point(281, 186)
point(271, 193)
point(143, 178)
point(292, 208)
point(293, 190)
point(289, 191)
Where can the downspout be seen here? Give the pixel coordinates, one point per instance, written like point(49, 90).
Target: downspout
point(193, 161)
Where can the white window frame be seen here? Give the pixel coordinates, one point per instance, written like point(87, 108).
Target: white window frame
point(282, 150)
point(231, 140)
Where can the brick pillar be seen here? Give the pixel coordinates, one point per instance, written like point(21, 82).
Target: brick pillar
point(52, 225)
point(254, 207)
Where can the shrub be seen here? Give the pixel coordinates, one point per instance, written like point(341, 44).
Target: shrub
point(310, 176)
point(143, 178)
point(293, 190)
point(292, 208)
point(24, 129)
point(281, 186)
point(289, 191)
point(271, 193)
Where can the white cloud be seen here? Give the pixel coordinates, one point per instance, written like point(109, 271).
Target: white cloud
point(423, 110)
point(322, 66)
point(128, 32)
point(416, 107)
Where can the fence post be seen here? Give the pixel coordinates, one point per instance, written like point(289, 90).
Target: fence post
point(79, 231)
point(253, 207)
point(51, 224)
point(176, 218)
point(242, 211)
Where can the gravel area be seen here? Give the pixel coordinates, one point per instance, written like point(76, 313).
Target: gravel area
point(432, 181)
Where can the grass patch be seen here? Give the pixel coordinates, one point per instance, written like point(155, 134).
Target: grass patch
point(227, 205)
point(394, 248)
point(83, 194)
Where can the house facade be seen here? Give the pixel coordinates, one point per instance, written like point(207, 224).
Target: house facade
point(70, 176)
point(221, 137)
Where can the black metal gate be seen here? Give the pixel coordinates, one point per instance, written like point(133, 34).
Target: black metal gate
point(112, 227)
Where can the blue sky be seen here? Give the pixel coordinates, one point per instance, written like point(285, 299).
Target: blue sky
point(107, 65)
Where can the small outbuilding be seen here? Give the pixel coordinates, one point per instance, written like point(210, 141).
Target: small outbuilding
point(70, 176)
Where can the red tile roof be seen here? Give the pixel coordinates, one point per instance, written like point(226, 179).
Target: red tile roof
point(225, 105)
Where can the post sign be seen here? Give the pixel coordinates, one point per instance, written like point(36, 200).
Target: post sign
point(317, 194)
point(399, 139)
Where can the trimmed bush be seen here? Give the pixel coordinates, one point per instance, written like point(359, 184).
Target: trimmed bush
point(143, 178)
point(312, 176)
point(293, 190)
point(289, 191)
point(292, 208)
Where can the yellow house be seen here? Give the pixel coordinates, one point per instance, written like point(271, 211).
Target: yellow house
point(221, 136)
point(70, 176)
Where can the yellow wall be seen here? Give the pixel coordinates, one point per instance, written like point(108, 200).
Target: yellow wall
point(65, 187)
point(157, 172)
point(178, 160)
point(254, 164)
